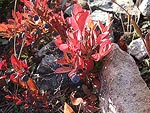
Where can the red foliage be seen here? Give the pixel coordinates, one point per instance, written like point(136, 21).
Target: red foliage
point(84, 44)
point(19, 66)
point(79, 39)
point(3, 65)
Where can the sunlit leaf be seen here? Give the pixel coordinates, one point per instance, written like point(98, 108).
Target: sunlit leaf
point(77, 9)
point(105, 47)
point(101, 37)
point(31, 84)
point(73, 23)
point(91, 24)
point(3, 27)
point(101, 26)
point(75, 101)
point(63, 47)
point(96, 56)
point(68, 109)
point(82, 20)
point(3, 77)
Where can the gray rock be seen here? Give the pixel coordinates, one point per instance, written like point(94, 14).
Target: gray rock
point(53, 82)
point(122, 90)
point(145, 7)
point(47, 65)
point(48, 80)
point(99, 15)
point(108, 6)
point(137, 49)
point(50, 54)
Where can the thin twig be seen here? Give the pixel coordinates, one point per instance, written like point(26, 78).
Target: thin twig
point(79, 108)
point(22, 45)
point(15, 32)
point(136, 27)
point(128, 24)
point(122, 23)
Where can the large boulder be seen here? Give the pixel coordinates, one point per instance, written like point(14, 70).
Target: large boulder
point(123, 90)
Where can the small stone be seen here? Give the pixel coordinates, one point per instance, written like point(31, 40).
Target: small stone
point(145, 7)
point(137, 49)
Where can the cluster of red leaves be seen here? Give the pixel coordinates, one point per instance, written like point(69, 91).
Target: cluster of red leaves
point(82, 41)
point(86, 42)
point(20, 70)
point(27, 30)
point(24, 22)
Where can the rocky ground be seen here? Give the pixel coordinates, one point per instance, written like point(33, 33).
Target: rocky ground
point(137, 61)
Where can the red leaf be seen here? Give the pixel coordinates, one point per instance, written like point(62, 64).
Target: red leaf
point(17, 80)
point(83, 20)
point(76, 9)
point(75, 101)
point(68, 109)
point(22, 83)
point(30, 39)
point(80, 63)
point(96, 56)
point(89, 63)
point(3, 65)
point(13, 78)
point(63, 47)
point(8, 97)
point(105, 47)
point(19, 66)
point(58, 41)
point(3, 27)
point(73, 23)
point(14, 61)
point(18, 102)
point(101, 37)
point(3, 77)
point(63, 69)
point(101, 26)
point(31, 85)
point(62, 61)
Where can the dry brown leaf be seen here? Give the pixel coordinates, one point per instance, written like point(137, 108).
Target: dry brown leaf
point(68, 109)
point(147, 42)
point(75, 101)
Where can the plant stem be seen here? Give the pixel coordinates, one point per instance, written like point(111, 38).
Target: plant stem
point(79, 108)
point(15, 33)
point(22, 45)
